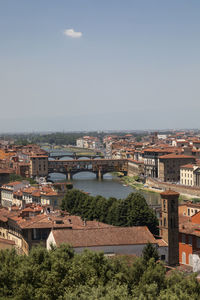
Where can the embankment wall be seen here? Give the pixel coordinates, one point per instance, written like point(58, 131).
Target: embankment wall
point(194, 191)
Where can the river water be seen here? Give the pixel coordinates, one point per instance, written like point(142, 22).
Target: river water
point(110, 186)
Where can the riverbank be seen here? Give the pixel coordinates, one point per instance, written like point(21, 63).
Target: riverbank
point(131, 181)
point(134, 183)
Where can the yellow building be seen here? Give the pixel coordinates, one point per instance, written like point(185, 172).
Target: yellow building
point(187, 174)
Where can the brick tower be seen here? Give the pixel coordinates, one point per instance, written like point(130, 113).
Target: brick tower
point(169, 225)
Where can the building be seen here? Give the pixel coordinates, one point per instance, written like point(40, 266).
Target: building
point(8, 190)
point(6, 244)
point(135, 168)
point(151, 157)
point(169, 229)
point(110, 240)
point(187, 174)
point(89, 142)
point(188, 209)
point(31, 226)
point(39, 165)
point(189, 241)
point(169, 166)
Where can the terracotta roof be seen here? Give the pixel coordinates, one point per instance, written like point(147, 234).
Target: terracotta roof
point(13, 183)
point(176, 156)
point(161, 243)
point(188, 166)
point(5, 241)
point(6, 171)
point(111, 236)
point(135, 161)
point(169, 193)
point(39, 156)
point(159, 150)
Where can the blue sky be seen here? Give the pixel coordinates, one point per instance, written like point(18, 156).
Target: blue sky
point(135, 64)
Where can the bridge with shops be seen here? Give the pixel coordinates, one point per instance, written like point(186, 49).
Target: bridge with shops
point(97, 166)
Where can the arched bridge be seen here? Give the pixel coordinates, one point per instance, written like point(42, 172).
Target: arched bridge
point(74, 155)
point(97, 166)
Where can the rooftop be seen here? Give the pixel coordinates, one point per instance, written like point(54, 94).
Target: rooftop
point(111, 236)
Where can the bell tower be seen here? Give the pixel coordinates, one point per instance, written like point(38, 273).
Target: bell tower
point(169, 225)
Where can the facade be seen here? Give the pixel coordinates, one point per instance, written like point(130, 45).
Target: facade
point(31, 226)
point(8, 190)
point(189, 241)
point(110, 240)
point(22, 193)
point(169, 230)
point(6, 244)
point(89, 142)
point(188, 209)
point(39, 165)
point(135, 168)
point(169, 166)
point(196, 177)
point(151, 157)
point(187, 174)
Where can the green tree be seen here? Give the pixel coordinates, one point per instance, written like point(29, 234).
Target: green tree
point(150, 251)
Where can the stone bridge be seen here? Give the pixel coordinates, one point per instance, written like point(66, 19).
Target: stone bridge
point(97, 166)
point(74, 155)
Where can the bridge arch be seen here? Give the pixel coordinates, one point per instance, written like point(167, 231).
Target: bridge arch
point(87, 175)
point(55, 176)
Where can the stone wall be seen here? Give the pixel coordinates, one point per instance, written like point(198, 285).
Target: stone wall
point(135, 168)
point(194, 191)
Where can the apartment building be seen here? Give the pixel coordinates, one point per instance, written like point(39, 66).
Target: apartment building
point(169, 166)
point(39, 165)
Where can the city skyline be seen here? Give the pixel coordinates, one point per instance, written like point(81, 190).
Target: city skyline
point(99, 65)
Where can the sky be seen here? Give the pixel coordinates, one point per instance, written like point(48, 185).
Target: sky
point(99, 65)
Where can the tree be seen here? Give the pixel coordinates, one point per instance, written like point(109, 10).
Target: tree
point(61, 274)
point(132, 211)
point(150, 251)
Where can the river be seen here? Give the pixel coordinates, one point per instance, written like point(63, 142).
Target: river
point(110, 186)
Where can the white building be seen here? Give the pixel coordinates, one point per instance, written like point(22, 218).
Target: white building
point(7, 191)
point(110, 240)
point(187, 174)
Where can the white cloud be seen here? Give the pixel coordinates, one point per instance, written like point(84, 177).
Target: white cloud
point(72, 33)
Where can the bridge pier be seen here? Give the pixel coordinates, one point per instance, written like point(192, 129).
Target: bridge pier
point(99, 175)
point(69, 176)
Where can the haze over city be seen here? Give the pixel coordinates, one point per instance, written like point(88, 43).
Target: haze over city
point(99, 65)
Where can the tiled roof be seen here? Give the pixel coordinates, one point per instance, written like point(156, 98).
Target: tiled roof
point(111, 236)
point(169, 193)
point(13, 183)
point(188, 166)
point(5, 241)
point(161, 243)
point(176, 156)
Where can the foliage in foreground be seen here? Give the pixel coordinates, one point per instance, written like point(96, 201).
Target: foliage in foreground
point(61, 274)
point(132, 211)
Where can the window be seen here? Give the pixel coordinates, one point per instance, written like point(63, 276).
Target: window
point(188, 212)
point(183, 258)
point(164, 205)
point(190, 240)
point(164, 222)
point(162, 257)
point(198, 242)
point(183, 238)
point(190, 260)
